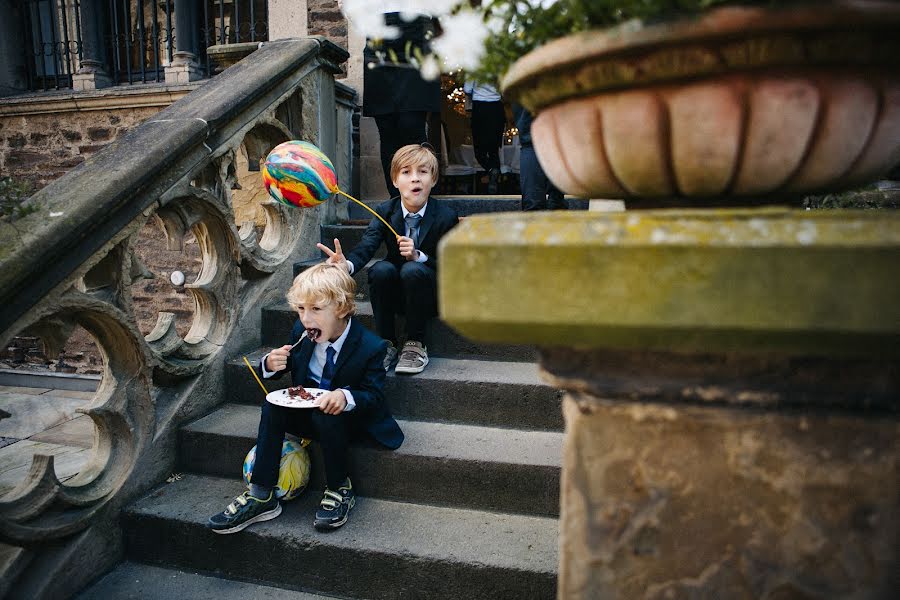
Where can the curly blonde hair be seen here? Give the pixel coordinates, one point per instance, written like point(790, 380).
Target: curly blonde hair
point(325, 283)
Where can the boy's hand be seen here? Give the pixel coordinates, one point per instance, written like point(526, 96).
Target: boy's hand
point(336, 256)
point(333, 402)
point(277, 359)
point(407, 248)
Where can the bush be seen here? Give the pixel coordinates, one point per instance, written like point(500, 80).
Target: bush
point(12, 195)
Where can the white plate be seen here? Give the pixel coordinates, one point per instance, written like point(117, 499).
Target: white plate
point(281, 398)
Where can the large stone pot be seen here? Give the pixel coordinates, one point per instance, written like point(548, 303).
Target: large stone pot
point(739, 102)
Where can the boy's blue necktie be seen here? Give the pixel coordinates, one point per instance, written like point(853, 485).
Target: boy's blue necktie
point(328, 369)
point(412, 221)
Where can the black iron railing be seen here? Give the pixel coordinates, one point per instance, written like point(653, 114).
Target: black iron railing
point(140, 40)
point(52, 42)
point(139, 36)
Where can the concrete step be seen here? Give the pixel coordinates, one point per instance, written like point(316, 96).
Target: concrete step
point(387, 549)
point(441, 339)
point(491, 469)
point(136, 581)
point(471, 392)
point(471, 205)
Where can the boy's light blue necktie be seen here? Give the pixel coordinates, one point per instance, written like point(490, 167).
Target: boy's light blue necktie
point(412, 221)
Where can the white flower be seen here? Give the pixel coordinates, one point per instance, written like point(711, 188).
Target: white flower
point(365, 16)
point(462, 43)
point(431, 69)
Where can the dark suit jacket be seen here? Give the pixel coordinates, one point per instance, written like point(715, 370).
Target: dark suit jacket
point(438, 220)
point(391, 89)
point(359, 368)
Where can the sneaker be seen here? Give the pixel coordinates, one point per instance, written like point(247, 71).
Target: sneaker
point(413, 358)
point(335, 507)
point(244, 511)
point(390, 359)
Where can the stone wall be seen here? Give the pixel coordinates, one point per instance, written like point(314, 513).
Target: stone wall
point(325, 18)
point(43, 136)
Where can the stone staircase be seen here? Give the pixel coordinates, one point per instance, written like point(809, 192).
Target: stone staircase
point(467, 507)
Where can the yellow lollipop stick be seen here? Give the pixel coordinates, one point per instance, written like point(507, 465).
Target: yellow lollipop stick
point(371, 211)
point(255, 376)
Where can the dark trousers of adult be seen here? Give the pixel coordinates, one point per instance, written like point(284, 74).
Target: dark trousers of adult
point(538, 193)
point(332, 432)
point(396, 130)
point(488, 122)
point(409, 290)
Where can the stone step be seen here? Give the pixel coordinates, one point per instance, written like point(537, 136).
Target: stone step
point(491, 469)
point(387, 549)
point(471, 392)
point(349, 235)
point(146, 582)
point(441, 339)
point(471, 205)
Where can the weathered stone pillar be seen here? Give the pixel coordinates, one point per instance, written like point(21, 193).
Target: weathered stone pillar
point(184, 67)
point(733, 385)
point(287, 18)
point(92, 73)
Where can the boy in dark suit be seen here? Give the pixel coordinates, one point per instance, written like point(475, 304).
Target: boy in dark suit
point(406, 281)
point(337, 354)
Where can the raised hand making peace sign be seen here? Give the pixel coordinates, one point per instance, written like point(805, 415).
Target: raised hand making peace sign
point(336, 256)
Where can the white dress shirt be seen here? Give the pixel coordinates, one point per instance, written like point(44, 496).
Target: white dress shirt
point(406, 231)
point(317, 364)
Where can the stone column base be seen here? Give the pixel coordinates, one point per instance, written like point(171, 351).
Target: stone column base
point(726, 477)
point(183, 73)
point(83, 82)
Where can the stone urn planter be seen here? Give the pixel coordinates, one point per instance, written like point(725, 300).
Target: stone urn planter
point(739, 102)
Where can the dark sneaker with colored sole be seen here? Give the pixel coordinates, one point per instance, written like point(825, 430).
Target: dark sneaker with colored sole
point(335, 507)
point(244, 511)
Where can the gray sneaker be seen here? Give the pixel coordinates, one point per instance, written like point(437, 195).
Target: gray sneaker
point(390, 359)
point(413, 358)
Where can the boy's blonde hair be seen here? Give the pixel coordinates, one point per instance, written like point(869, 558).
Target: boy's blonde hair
point(414, 155)
point(324, 283)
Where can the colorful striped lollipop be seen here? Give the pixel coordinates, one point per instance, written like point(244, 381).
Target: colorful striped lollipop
point(297, 173)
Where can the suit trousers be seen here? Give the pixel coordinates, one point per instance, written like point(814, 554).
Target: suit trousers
point(488, 122)
point(332, 432)
point(538, 193)
point(396, 130)
point(409, 290)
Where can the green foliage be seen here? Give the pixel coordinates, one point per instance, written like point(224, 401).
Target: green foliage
point(12, 195)
point(525, 24)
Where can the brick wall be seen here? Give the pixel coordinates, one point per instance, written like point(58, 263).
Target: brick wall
point(39, 148)
point(325, 18)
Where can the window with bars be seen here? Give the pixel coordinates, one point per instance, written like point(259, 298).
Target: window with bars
point(138, 36)
point(52, 42)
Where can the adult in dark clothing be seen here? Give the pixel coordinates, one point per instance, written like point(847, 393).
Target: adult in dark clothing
point(395, 93)
point(538, 192)
point(488, 122)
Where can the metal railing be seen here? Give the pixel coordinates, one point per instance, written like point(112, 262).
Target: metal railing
point(137, 34)
point(139, 37)
point(52, 42)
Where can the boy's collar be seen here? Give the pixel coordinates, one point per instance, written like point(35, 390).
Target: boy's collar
point(406, 211)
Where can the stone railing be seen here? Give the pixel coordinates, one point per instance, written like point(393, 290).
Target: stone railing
point(70, 262)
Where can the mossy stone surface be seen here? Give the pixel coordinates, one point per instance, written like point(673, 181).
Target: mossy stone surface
point(756, 280)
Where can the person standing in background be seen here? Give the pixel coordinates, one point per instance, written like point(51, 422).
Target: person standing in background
point(538, 192)
point(488, 122)
point(394, 92)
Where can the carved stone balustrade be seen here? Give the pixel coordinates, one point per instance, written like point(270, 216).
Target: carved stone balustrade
point(70, 262)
